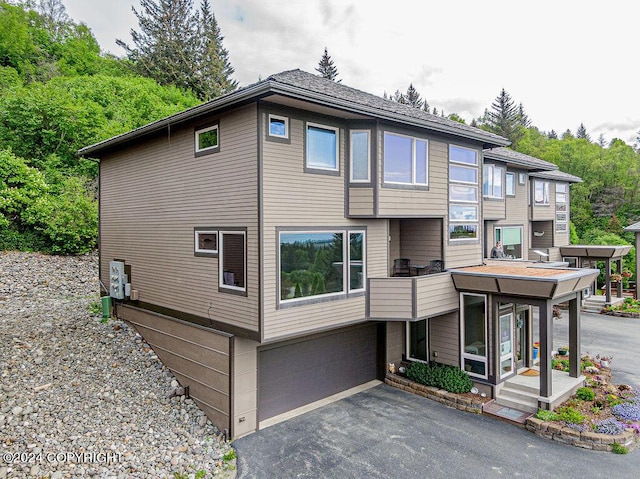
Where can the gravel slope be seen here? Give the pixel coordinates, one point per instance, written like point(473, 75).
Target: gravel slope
point(82, 398)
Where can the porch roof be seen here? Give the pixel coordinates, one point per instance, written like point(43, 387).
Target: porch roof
point(595, 251)
point(531, 280)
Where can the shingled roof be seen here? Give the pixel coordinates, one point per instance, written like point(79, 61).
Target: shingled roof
point(519, 159)
point(315, 89)
point(556, 175)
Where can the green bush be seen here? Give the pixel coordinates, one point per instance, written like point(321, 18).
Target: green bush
point(546, 415)
point(570, 415)
point(442, 376)
point(619, 448)
point(586, 394)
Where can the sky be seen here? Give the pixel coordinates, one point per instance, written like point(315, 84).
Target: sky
point(568, 62)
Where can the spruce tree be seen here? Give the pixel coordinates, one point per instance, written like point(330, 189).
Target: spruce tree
point(581, 132)
point(326, 67)
point(398, 97)
point(504, 118)
point(413, 97)
point(552, 135)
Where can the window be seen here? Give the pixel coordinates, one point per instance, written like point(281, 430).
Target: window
point(463, 231)
point(206, 241)
point(405, 160)
point(278, 126)
point(463, 188)
point(561, 193)
point(207, 140)
point(233, 260)
point(506, 344)
point(474, 334)
point(459, 154)
point(541, 193)
point(322, 147)
point(360, 156)
point(492, 182)
point(510, 184)
point(417, 340)
point(522, 179)
point(312, 264)
point(511, 237)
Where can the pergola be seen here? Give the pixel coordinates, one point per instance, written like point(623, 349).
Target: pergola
point(536, 285)
point(606, 253)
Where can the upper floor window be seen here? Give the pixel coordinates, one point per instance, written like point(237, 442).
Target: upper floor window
point(207, 140)
point(541, 193)
point(278, 126)
point(322, 147)
point(321, 263)
point(405, 160)
point(561, 193)
point(510, 184)
point(233, 260)
point(463, 188)
point(459, 154)
point(360, 156)
point(492, 181)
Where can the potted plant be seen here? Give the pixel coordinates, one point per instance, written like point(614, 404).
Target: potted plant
point(605, 361)
point(563, 350)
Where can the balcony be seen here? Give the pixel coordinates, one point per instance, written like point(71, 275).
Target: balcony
point(411, 298)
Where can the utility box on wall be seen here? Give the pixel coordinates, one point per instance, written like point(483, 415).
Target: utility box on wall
point(117, 279)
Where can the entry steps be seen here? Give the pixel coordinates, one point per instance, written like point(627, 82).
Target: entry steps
point(518, 396)
point(592, 305)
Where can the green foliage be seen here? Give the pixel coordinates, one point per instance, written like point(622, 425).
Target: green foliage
point(442, 376)
point(619, 448)
point(546, 415)
point(327, 69)
point(560, 364)
point(586, 394)
point(230, 455)
point(570, 415)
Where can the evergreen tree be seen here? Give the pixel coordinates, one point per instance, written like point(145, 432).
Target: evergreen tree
point(581, 132)
point(602, 141)
point(567, 134)
point(399, 97)
point(504, 118)
point(413, 97)
point(326, 67)
point(426, 107)
point(474, 123)
point(523, 117)
point(435, 111)
point(552, 135)
point(176, 46)
point(213, 59)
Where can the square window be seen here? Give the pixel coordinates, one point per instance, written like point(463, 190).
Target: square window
point(278, 126)
point(207, 140)
point(233, 260)
point(206, 241)
point(322, 147)
point(405, 160)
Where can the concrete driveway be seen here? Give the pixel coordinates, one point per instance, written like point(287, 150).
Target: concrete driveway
point(387, 433)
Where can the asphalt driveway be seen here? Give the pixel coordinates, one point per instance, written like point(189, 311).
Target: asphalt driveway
point(388, 433)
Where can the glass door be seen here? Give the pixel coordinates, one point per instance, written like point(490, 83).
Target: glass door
point(521, 339)
point(506, 344)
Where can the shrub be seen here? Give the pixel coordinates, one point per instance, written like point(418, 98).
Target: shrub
point(619, 449)
point(545, 415)
point(442, 376)
point(586, 394)
point(570, 415)
point(627, 411)
point(609, 426)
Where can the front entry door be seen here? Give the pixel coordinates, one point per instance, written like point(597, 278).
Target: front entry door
point(521, 338)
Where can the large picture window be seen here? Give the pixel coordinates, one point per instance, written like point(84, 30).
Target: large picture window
point(233, 260)
point(492, 182)
point(322, 147)
point(405, 160)
point(474, 334)
point(319, 263)
point(511, 237)
point(360, 156)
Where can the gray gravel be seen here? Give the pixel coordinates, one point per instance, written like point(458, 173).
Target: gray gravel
point(84, 398)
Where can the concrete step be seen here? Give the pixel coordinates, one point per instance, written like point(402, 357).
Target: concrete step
point(528, 405)
point(519, 394)
point(529, 389)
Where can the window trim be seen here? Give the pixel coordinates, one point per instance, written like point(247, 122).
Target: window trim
point(474, 357)
point(227, 287)
point(209, 149)
point(413, 182)
point(474, 165)
point(463, 220)
point(463, 166)
point(205, 252)
point(346, 292)
point(312, 168)
point(351, 169)
point(506, 183)
point(465, 223)
point(485, 176)
point(501, 228)
point(286, 126)
point(475, 187)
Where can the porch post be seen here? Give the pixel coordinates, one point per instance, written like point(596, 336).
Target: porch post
point(607, 279)
point(545, 311)
point(619, 266)
point(574, 338)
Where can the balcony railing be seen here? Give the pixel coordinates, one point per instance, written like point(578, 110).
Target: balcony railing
point(411, 298)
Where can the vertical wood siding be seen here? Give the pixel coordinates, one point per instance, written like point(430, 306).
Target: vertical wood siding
point(295, 198)
point(444, 337)
point(152, 196)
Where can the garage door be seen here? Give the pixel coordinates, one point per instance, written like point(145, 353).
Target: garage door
point(299, 373)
